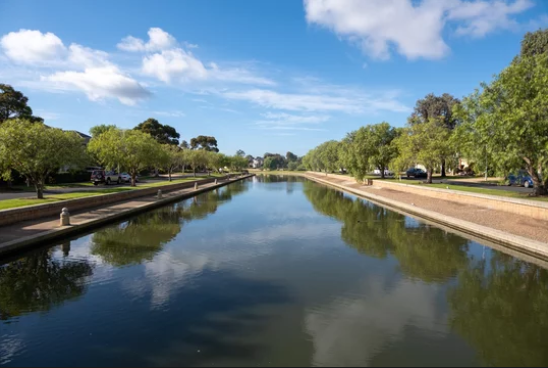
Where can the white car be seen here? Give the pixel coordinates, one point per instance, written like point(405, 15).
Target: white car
point(126, 178)
point(386, 172)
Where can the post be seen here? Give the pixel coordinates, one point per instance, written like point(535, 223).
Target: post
point(216, 181)
point(65, 217)
point(196, 186)
point(159, 194)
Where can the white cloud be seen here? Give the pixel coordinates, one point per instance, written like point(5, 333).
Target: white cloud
point(158, 40)
point(413, 28)
point(338, 101)
point(174, 64)
point(172, 114)
point(85, 57)
point(100, 83)
point(284, 121)
point(33, 47)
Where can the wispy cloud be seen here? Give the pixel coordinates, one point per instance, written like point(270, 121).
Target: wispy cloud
point(174, 114)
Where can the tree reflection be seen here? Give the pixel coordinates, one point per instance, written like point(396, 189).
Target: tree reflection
point(426, 253)
point(500, 307)
point(142, 237)
point(38, 282)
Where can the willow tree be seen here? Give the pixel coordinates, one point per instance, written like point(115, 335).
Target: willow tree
point(36, 151)
point(132, 150)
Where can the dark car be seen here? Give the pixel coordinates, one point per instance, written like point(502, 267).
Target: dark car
point(415, 172)
point(106, 177)
point(521, 178)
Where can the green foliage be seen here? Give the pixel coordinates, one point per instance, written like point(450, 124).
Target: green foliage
point(292, 166)
point(535, 43)
point(163, 134)
point(510, 117)
point(204, 143)
point(170, 157)
point(97, 130)
point(274, 161)
point(428, 143)
point(13, 104)
point(240, 153)
point(131, 150)
point(291, 157)
point(36, 151)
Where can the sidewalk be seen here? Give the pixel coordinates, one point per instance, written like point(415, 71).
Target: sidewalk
point(477, 219)
point(25, 233)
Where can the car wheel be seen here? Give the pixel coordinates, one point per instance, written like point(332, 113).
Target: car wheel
point(526, 184)
point(108, 181)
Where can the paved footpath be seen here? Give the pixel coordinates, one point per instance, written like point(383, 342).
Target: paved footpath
point(26, 233)
point(528, 234)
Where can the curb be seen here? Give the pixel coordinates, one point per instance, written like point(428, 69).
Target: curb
point(49, 235)
point(519, 243)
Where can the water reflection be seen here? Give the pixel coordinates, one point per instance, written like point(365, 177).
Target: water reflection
point(426, 253)
point(142, 237)
point(38, 282)
point(500, 306)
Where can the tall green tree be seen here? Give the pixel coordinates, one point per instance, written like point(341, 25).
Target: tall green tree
point(428, 143)
point(171, 157)
point(196, 159)
point(513, 113)
point(131, 150)
point(439, 109)
point(240, 153)
point(14, 104)
point(291, 157)
point(377, 145)
point(203, 142)
point(36, 151)
point(162, 133)
point(329, 156)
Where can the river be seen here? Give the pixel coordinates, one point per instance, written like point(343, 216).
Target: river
point(272, 271)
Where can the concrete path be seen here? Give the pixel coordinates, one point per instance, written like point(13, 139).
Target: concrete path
point(22, 234)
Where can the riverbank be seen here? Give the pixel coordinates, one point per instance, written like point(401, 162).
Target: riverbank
point(35, 232)
point(521, 233)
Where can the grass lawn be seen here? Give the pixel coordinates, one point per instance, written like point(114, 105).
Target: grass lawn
point(21, 202)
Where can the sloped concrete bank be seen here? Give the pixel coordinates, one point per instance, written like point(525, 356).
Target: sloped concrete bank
point(518, 243)
point(49, 229)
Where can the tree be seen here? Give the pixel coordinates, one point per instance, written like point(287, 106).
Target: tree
point(276, 161)
point(513, 112)
point(329, 156)
point(427, 143)
point(184, 145)
point(97, 130)
point(291, 157)
point(196, 159)
point(534, 43)
point(240, 153)
point(439, 108)
point(355, 152)
point(170, 158)
point(204, 143)
point(132, 150)
point(163, 134)
point(36, 151)
point(13, 104)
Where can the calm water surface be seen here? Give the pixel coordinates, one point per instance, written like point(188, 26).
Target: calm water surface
point(272, 271)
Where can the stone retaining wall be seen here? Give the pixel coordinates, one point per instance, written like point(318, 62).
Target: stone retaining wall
point(15, 215)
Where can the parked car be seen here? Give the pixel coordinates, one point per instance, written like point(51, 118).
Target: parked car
point(105, 177)
point(386, 172)
point(126, 178)
point(415, 172)
point(521, 178)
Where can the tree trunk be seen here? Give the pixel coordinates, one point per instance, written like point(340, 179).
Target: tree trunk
point(443, 168)
point(194, 169)
point(133, 179)
point(540, 187)
point(169, 174)
point(429, 173)
point(39, 190)
point(382, 173)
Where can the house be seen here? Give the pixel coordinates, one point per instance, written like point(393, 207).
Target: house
point(257, 162)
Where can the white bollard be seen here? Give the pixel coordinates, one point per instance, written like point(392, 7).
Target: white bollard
point(64, 220)
point(195, 186)
point(216, 182)
point(159, 194)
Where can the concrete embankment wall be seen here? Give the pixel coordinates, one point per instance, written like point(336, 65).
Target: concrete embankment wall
point(12, 216)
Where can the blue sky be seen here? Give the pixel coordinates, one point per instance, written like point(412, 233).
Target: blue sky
point(258, 75)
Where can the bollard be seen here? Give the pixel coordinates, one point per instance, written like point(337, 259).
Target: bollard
point(65, 217)
point(159, 194)
point(195, 186)
point(216, 181)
